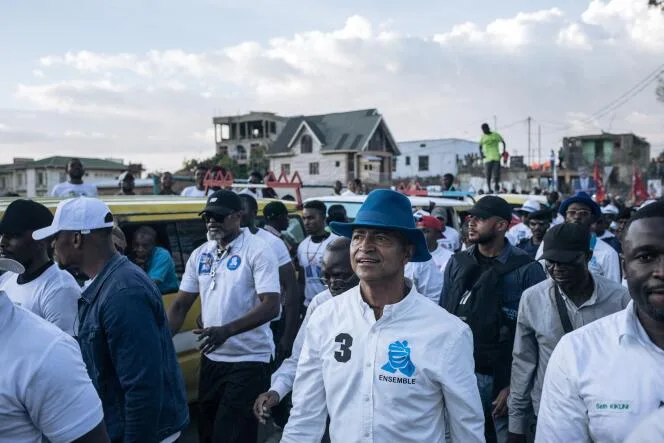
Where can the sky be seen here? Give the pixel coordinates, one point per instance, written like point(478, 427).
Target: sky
point(141, 80)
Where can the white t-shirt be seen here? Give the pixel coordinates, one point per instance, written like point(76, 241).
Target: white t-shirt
point(427, 278)
point(348, 193)
point(67, 189)
point(52, 296)
point(44, 386)
point(193, 191)
point(387, 380)
point(277, 245)
point(246, 269)
point(440, 257)
point(310, 257)
point(451, 239)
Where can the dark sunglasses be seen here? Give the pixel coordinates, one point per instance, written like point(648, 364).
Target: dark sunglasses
point(210, 217)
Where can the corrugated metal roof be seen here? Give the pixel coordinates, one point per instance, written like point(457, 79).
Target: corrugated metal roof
point(61, 162)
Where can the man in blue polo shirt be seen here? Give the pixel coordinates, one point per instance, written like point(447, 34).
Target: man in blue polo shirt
point(154, 260)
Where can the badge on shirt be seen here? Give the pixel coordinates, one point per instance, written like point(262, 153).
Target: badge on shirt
point(233, 263)
point(205, 263)
point(615, 406)
point(398, 362)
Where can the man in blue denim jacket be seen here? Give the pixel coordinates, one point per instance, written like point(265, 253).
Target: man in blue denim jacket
point(488, 222)
point(122, 329)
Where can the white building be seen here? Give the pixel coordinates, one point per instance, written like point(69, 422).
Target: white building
point(339, 146)
point(32, 178)
point(428, 158)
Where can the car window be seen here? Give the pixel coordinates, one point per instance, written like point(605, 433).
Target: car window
point(351, 207)
point(185, 235)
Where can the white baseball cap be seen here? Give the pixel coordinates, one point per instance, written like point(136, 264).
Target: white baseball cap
point(82, 214)
point(610, 210)
point(7, 264)
point(530, 206)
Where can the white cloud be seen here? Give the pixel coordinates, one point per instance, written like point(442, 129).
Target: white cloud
point(546, 64)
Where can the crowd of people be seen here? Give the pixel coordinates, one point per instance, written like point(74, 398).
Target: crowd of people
point(389, 327)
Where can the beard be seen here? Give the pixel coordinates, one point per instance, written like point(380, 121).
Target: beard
point(483, 239)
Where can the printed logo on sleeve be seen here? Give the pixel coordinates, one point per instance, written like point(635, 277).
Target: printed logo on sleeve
point(205, 263)
point(398, 360)
point(234, 263)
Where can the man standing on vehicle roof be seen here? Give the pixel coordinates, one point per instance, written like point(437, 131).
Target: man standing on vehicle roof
point(489, 151)
point(75, 186)
point(285, 326)
point(237, 278)
point(367, 358)
point(581, 209)
point(198, 190)
point(44, 288)
point(310, 251)
point(122, 328)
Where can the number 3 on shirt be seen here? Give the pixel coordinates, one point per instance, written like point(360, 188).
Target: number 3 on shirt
point(343, 354)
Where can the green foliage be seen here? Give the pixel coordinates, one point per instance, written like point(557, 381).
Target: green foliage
point(258, 161)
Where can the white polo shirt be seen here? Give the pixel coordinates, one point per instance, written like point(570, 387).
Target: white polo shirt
point(601, 381)
point(310, 258)
point(385, 380)
point(52, 296)
point(284, 377)
point(277, 245)
point(69, 190)
point(427, 278)
point(44, 386)
point(246, 269)
point(605, 261)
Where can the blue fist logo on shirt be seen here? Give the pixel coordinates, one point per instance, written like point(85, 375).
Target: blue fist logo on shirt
point(398, 356)
point(233, 263)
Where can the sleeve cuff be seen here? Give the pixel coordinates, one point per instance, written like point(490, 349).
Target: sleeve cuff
point(518, 425)
point(192, 289)
point(280, 388)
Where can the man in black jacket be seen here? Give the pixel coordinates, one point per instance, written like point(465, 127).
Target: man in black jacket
point(490, 274)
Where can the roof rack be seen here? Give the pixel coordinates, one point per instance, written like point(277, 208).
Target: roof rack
point(219, 179)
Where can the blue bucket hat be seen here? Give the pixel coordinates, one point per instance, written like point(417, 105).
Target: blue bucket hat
point(385, 209)
point(584, 199)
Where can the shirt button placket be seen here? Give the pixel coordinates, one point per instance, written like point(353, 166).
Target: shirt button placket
point(367, 404)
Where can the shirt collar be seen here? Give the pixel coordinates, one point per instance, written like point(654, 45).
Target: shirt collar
point(628, 323)
point(389, 311)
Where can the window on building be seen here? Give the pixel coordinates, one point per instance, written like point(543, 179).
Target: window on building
point(41, 179)
point(313, 168)
point(337, 164)
point(306, 144)
point(407, 161)
point(273, 127)
point(423, 163)
point(285, 167)
point(394, 164)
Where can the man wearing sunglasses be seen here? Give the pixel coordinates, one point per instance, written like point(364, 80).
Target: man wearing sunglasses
point(569, 299)
point(237, 276)
point(339, 277)
point(582, 210)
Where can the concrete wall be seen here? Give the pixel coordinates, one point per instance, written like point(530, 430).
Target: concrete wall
point(442, 155)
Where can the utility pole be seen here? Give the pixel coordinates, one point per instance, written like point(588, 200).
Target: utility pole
point(539, 143)
point(495, 123)
point(529, 156)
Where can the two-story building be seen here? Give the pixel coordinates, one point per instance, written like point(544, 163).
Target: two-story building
point(429, 158)
point(31, 178)
point(339, 146)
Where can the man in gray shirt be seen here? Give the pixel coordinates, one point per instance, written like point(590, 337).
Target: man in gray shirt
point(570, 298)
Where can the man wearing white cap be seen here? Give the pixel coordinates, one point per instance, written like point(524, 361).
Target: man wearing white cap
point(122, 329)
point(45, 390)
point(521, 231)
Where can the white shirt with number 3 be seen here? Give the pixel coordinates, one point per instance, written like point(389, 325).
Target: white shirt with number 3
point(387, 380)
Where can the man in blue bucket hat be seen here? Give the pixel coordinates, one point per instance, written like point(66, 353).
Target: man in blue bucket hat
point(384, 362)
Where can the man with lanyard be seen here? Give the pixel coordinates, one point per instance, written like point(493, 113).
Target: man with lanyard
point(569, 299)
point(122, 328)
point(432, 229)
point(581, 209)
point(367, 359)
point(490, 152)
point(604, 378)
point(521, 230)
point(450, 239)
point(237, 278)
point(75, 186)
point(46, 392)
point(284, 328)
point(483, 285)
point(538, 223)
point(339, 277)
point(199, 189)
point(44, 288)
point(310, 251)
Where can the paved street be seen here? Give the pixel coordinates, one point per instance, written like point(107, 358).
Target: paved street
point(266, 434)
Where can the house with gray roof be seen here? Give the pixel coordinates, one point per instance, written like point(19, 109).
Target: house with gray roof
point(339, 146)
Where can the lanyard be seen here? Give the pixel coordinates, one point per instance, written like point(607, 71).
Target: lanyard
point(220, 256)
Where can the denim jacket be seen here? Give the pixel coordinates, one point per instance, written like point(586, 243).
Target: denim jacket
point(127, 348)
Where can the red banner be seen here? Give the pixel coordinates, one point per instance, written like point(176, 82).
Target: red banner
point(639, 191)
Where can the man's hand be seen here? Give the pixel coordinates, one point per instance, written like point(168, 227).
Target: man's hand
point(263, 404)
point(211, 338)
point(500, 403)
point(516, 438)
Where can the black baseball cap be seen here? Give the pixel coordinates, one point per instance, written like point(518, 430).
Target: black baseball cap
point(542, 214)
point(25, 215)
point(492, 206)
point(564, 243)
point(275, 209)
point(222, 202)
